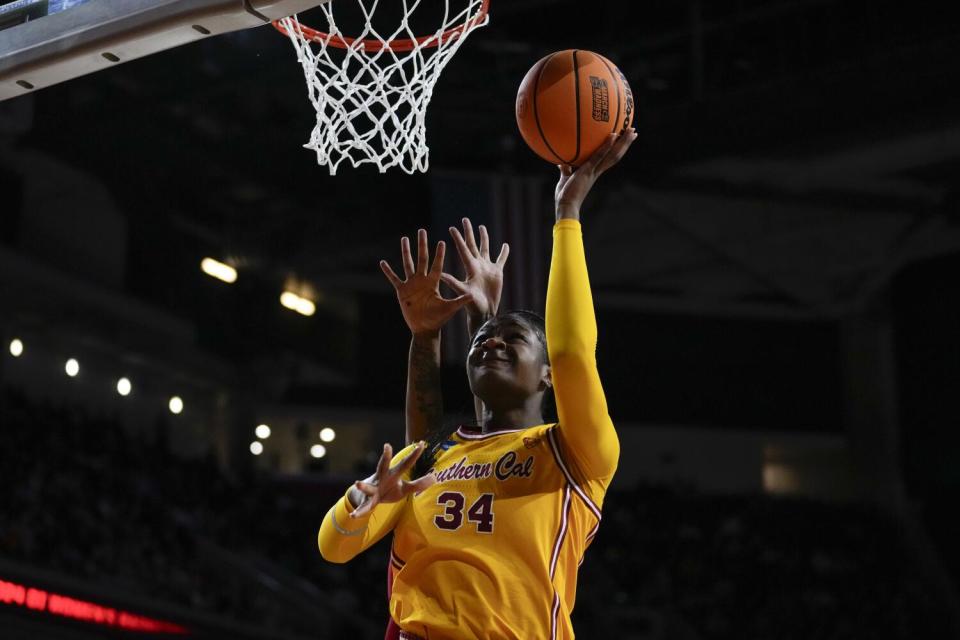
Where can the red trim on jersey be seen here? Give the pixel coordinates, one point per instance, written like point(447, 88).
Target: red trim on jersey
point(393, 631)
point(562, 532)
point(555, 446)
point(554, 615)
point(395, 559)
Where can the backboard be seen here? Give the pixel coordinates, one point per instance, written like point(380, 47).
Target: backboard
point(43, 42)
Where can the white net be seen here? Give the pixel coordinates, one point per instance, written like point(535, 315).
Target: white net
point(371, 91)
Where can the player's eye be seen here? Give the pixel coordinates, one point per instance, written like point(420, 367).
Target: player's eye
point(517, 337)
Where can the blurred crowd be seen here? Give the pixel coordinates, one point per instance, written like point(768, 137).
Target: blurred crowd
point(82, 497)
point(676, 564)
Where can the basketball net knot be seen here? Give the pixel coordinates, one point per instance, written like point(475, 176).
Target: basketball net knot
point(371, 92)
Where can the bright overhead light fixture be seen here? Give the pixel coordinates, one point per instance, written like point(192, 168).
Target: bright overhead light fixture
point(124, 387)
point(256, 447)
point(292, 301)
point(176, 405)
point(219, 270)
point(318, 451)
point(306, 307)
point(16, 348)
point(72, 367)
point(289, 299)
point(327, 434)
point(262, 431)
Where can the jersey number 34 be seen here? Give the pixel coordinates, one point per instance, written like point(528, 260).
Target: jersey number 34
point(453, 502)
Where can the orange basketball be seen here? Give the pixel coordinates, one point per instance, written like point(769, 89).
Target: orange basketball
point(568, 104)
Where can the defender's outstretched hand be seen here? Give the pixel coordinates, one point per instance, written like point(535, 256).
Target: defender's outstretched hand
point(387, 485)
point(424, 309)
point(575, 184)
point(483, 280)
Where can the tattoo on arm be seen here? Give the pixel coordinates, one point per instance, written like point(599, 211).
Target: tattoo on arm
point(426, 373)
point(424, 394)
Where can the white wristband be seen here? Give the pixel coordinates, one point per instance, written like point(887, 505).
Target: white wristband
point(341, 530)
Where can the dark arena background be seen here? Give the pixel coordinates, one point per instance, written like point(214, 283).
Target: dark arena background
point(776, 272)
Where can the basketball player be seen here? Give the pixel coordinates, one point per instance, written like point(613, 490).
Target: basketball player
point(426, 312)
point(487, 544)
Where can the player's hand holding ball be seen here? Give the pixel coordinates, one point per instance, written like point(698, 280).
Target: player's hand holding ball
point(575, 110)
point(575, 184)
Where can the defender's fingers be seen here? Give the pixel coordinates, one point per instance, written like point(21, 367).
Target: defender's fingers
point(439, 257)
point(383, 465)
point(406, 257)
point(565, 170)
point(484, 242)
point(461, 245)
point(423, 251)
point(366, 487)
point(418, 485)
point(468, 236)
point(450, 307)
point(459, 301)
point(363, 509)
point(391, 276)
point(457, 285)
point(504, 254)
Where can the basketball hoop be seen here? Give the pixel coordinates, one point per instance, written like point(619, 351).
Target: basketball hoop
point(371, 91)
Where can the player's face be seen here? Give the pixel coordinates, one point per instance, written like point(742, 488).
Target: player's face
point(506, 362)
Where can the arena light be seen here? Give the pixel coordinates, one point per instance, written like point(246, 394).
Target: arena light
point(72, 367)
point(292, 301)
point(318, 451)
point(176, 405)
point(16, 347)
point(289, 299)
point(124, 387)
point(219, 270)
point(262, 431)
point(306, 307)
point(327, 434)
point(256, 447)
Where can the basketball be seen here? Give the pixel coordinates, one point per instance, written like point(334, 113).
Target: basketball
point(568, 104)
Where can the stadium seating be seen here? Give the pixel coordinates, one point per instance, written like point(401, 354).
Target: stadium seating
point(87, 500)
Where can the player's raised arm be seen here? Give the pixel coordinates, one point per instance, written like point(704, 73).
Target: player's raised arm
point(425, 312)
point(482, 282)
point(585, 427)
point(371, 507)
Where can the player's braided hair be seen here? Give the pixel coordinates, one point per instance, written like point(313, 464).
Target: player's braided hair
point(438, 436)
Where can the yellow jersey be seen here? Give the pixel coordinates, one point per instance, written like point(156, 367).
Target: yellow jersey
point(491, 550)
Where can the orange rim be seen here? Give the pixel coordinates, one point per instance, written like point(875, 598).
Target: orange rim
point(373, 45)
